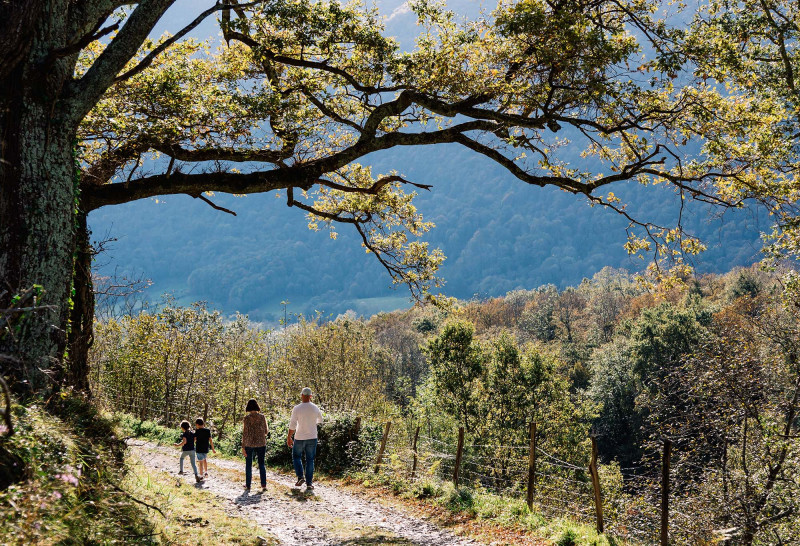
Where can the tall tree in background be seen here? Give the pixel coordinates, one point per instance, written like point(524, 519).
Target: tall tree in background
point(457, 363)
point(731, 408)
point(301, 92)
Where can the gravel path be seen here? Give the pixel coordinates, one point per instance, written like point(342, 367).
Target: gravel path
point(292, 516)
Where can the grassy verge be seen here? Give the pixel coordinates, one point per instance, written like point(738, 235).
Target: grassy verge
point(73, 485)
point(481, 513)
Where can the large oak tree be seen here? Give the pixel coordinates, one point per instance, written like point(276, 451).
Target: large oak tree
point(93, 113)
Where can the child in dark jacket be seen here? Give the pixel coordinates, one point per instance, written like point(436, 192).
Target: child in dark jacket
point(203, 441)
point(187, 449)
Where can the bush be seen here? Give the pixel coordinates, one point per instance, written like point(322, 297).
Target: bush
point(426, 489)
point(149, 430)
point(231, 443)
point(339, 448)
point(460, 499)
point(568, 538)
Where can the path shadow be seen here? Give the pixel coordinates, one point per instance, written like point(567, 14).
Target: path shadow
point(247, 498)
point(300, 495)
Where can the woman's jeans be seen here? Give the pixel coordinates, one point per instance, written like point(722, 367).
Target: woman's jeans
point(189, 454)
point(248, 469)
point(309, 449)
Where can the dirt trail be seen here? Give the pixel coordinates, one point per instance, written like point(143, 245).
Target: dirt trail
point(328, 516)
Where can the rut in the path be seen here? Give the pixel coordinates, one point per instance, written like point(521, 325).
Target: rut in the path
point(328, 517)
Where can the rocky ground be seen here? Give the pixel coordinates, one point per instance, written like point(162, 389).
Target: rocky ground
point(292, 516)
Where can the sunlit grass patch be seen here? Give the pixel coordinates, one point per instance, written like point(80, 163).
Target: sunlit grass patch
point(484, 514)
point(565, 532)
point(189, 515)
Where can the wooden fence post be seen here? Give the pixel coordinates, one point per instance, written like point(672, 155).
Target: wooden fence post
point(383, 446)
point(459, 454)
point(598, 500)
point(665, 492)
point(414, 449)
point(532, 466)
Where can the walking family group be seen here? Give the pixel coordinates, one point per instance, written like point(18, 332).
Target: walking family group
point(301, 439)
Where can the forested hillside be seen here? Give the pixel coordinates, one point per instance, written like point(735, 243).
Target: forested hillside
point(497, 233)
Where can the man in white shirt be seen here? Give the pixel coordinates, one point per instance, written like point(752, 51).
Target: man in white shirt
point(302, 438)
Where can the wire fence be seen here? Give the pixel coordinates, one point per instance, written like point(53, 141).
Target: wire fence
point(626, 502)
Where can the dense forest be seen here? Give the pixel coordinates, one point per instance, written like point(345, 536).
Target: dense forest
point(710, 365)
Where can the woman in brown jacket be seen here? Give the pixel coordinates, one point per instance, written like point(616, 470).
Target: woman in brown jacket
point(254, 442)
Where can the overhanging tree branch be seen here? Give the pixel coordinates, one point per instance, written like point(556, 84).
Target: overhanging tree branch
point(214, 205)
point(221, 154)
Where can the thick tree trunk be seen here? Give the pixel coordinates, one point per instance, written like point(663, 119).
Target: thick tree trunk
point(37, 199)
point(37, 239)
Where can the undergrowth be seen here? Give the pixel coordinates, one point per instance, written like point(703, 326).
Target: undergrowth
point(73, 486)
point(67, 464)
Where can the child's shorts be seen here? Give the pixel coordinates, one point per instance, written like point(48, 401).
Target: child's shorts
point(202, 456)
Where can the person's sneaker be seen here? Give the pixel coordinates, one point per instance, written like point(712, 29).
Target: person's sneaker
point(198, 478)
point(247, 488)
point(300, 482)
point(309, 487)
point(205, 475)
point(181, 473)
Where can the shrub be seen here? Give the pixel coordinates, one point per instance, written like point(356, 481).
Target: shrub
point(231, 443)
point(149, 430)
point(460, 499)
point(426, 489)
point(339, 448)
point(568, 538)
